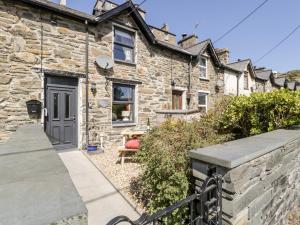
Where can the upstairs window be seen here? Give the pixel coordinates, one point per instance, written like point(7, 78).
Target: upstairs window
point(124, 42)
point(123, 103)
point(246, 81)
point(202, 101)
point(203, 68)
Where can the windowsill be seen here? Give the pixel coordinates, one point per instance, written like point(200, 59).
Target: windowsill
point(124, 62)
point(123, 124)
point(205, 79)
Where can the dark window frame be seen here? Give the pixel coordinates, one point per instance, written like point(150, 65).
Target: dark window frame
point(120, 44)
point(133, 102)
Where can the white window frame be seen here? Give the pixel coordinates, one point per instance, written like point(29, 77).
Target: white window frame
point(206, 99)
point(118, 26)
point(203, 67)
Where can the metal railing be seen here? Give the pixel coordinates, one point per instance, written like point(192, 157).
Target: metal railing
point(204, 207)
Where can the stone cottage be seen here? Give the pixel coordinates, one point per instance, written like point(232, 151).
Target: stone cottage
point(264, 80)
point(87, 78)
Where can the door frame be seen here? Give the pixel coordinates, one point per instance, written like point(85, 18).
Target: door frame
point(77, 100)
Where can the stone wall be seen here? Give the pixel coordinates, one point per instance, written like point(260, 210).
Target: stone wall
point(261, 176)
point(64, 50)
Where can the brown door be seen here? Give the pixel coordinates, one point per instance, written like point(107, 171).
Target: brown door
point(176, 100)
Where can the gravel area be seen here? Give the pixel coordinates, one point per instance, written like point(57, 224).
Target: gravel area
point(121, 177)
point(294, 217)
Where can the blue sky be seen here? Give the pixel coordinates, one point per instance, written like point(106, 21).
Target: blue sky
point(251, 40)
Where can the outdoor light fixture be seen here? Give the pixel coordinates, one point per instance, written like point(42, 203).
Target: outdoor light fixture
point(93, 88)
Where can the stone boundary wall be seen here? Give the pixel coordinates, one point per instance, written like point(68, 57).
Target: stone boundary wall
point(261, 176)
point(188, 115)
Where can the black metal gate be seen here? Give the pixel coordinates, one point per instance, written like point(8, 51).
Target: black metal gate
point(205, 208)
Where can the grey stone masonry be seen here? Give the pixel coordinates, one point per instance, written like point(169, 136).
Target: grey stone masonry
point(35, 186)
point(261, 176)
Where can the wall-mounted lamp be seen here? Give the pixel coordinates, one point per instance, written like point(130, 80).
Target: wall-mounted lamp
point(93, 88)
point(173, 82)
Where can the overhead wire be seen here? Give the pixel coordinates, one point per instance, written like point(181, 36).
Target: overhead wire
point(241, 21)
point(278, 44)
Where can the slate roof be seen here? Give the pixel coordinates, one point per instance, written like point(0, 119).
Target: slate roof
point(263, 74)
point(61, 9)
point(280, 82)
point(198, 48)
point(291, 85)
point(239, 65)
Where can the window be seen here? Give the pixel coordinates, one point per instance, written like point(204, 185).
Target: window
point(67, 106)
point(202, 101)
point(124, 45)
point(203, 68)
point(176, 100)
point(55, 105)
point(246, 81)
point(123, 103)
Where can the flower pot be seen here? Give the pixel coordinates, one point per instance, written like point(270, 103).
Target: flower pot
point(92, 148)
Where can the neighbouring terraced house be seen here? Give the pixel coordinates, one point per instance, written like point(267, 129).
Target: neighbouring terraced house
point(90, 77)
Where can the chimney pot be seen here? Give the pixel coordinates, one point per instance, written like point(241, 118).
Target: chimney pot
point(184, 35)
point(63, 2)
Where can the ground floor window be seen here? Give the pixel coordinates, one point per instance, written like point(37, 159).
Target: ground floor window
point(177, 100)
point(202, 101)
point(123, 103)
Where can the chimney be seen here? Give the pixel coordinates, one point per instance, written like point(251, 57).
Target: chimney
point(224, 55)
point(165, 27)
point(102, 6)
point(63, 2)
point(188, 41)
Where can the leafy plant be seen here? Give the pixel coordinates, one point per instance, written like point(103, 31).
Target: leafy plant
point(262, 112)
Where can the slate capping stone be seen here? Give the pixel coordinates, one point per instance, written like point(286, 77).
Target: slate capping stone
point(35, 185)
point(235, 153)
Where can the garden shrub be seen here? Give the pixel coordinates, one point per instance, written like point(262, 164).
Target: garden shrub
point(262, 112)
point(166, 176)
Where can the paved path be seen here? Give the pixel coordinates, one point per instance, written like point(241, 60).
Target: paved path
point(102, 200)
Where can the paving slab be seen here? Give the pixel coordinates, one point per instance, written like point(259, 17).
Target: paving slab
point(102, 199)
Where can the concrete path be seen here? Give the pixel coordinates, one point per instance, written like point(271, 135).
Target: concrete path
point(102, 200)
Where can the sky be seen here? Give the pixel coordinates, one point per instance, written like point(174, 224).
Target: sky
point(262, 31)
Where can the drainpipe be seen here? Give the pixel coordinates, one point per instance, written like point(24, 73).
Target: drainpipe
point(189, 81)
point(87, 83)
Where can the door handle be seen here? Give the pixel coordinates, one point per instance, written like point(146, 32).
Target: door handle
point(74, 117)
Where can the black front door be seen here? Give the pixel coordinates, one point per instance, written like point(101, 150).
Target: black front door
point(61, 116)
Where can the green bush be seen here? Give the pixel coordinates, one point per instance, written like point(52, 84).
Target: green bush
point(166, 176)
point(262, 112)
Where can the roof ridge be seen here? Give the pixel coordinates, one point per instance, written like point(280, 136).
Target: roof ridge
point(244, 60)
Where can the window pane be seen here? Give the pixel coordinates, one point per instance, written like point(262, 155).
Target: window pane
point(122, 113)
point(55, 106)
point(67, 106)
point(203, 62)
point(202, 98)
point(123, 53)
point(202, 72)
point(123, 93)
point(124, 37)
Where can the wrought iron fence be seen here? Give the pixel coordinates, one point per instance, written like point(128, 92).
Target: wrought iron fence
point(204, 207)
